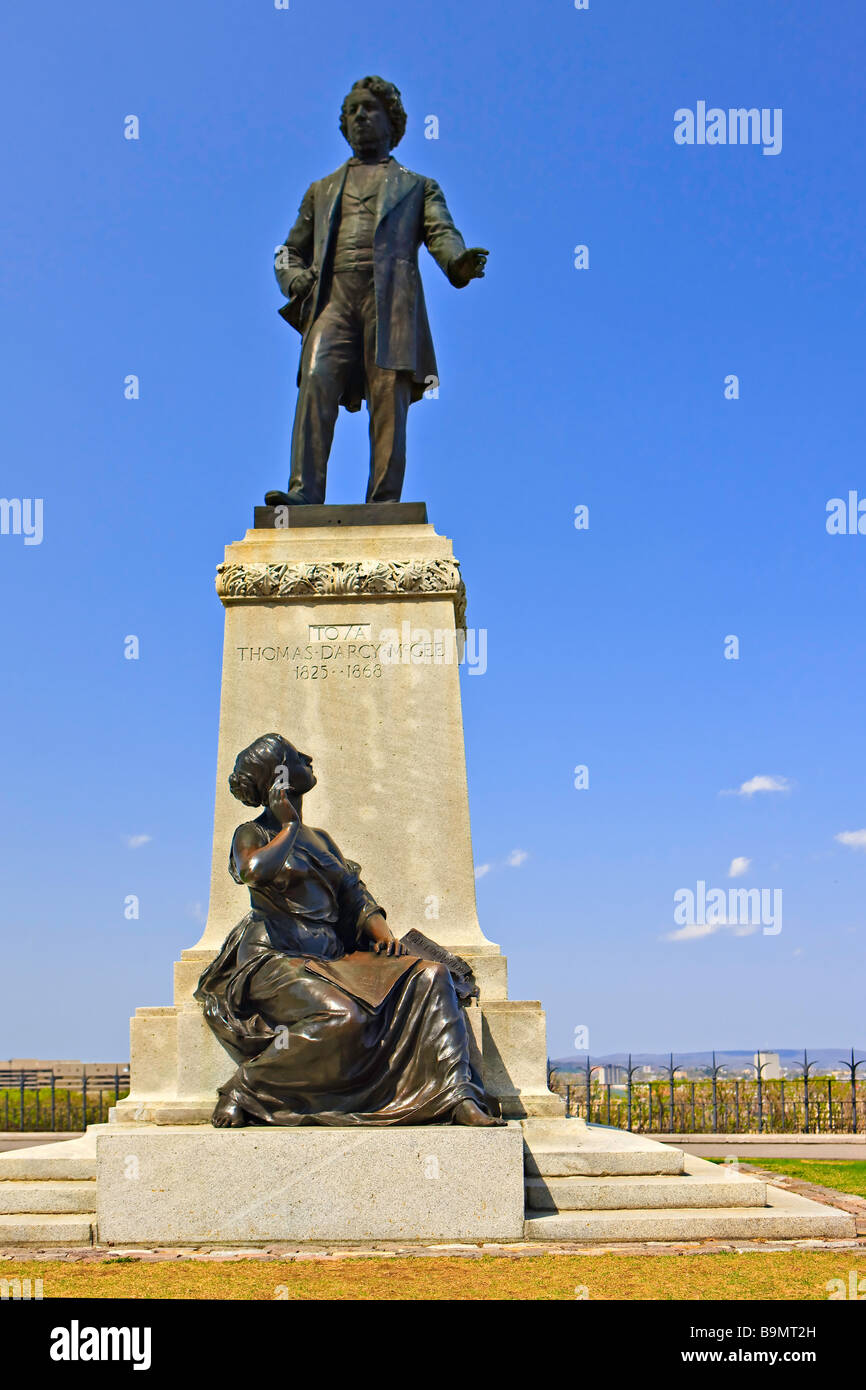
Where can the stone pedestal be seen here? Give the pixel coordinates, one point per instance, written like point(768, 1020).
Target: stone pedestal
point(185, 1186)
point(348, 640)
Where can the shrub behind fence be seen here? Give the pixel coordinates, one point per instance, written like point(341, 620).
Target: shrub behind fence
point(809, 1104)
point(34, 1101)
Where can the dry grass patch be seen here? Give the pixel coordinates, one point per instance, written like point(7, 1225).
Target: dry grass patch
point(787, 1275)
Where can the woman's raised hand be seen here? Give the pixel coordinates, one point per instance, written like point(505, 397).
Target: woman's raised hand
point(278, 801)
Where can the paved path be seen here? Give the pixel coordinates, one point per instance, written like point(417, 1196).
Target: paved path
point(14, 1139)
point(755, 1152)
point(95, 1254)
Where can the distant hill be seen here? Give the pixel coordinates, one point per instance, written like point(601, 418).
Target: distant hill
point(789, 1057)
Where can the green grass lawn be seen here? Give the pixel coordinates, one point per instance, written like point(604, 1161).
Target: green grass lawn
point(845, 1174)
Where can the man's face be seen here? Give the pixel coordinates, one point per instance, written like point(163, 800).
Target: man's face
point(367, 122)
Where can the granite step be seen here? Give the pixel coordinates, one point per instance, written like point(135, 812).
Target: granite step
point(600, 1163)
point(785, 1217)
point(48, 1193)
point(47, 1228)
point(71, 1158)
point(620, 1193)
point(51, 1196)
point(700, 1184)
point(570, 1148)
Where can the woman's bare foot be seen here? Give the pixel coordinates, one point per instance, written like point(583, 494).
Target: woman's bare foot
point(228, 1114)
point(466, 1112)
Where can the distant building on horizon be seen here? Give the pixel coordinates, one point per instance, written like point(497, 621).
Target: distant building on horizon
point(65, 1071)
point(771, 1070)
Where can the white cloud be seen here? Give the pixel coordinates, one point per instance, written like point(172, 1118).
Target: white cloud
point(739, 866)
point(761, 783)
point(136, 841)
point(514, 861)
point(856, 839)
point(197, 913)
point(694, 931)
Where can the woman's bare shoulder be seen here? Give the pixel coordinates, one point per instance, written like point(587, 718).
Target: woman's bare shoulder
point(250, 835)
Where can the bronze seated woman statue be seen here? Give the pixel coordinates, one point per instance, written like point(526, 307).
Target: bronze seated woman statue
point(330, 1018)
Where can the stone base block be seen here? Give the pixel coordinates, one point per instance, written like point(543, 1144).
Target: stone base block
point(191, 1186)
point(514, 1048)
point(153, 1051)
point(531, 1103)
point(177, 1067)
point(490, 970)
point(164, 1112)
point(187, 972)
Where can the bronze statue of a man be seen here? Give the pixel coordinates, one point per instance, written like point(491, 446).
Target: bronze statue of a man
point(349, 269)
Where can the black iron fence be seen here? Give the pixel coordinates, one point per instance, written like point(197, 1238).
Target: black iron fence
point(807, 1103)
point(717, 1103)
point(40, 1099)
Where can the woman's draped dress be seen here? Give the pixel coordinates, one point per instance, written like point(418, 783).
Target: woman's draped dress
point(326, 1031)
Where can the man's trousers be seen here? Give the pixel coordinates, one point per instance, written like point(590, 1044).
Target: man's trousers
point(343, 336)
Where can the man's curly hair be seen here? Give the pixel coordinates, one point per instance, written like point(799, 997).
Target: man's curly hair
point(389, 96)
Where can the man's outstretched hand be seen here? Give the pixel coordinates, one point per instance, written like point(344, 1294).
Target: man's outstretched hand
point(469, 265)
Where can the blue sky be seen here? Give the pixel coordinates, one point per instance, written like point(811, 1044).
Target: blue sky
point(559, 387)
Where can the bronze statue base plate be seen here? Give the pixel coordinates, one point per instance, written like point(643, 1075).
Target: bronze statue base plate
point(352, 514)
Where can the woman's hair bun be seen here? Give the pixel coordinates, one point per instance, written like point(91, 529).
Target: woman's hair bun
point(255, 769)
point(245, 788)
